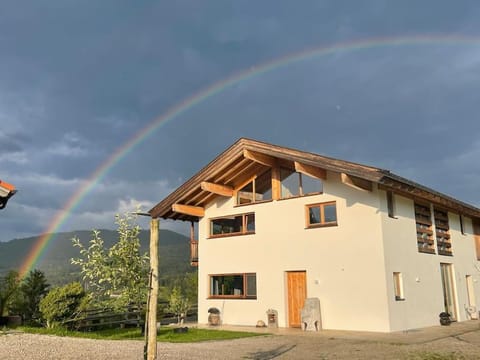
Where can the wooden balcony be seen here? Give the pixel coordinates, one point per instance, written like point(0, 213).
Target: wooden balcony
point(193, 246)
point(194, 252)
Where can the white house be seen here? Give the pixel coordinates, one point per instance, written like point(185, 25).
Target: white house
point(278, 225)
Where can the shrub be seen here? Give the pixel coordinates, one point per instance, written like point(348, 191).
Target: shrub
point(178, 304)
point(61, 303)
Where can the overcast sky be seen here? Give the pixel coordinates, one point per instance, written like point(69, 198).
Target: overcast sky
point(79, 78)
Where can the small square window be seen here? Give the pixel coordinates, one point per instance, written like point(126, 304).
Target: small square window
point(324, 214)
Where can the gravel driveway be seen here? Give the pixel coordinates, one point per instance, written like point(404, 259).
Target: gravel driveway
point(461, 344)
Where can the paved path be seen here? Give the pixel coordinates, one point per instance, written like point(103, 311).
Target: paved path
point(458, 341)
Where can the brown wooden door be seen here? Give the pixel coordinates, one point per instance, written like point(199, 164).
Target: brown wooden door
point(296, 294)
point(449, 295)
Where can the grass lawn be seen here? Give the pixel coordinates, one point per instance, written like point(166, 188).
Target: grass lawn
point(165, 334)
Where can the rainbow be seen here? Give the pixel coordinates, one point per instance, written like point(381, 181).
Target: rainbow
point(42, 242)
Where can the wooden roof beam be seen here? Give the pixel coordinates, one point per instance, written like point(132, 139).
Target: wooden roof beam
point(356, 182)
point(228, 174)
point(310, 170)
point(197, 211)
point(244, 174)
point(260, 158)
point(218, 189)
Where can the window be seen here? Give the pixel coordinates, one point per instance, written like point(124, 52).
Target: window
point(234, 286)
point(233, 225)
point(423, 220)
point(297, 184)
point(398, 286)
point(476, 236)
point(324, 214)
point(444, 244)
point(390, 205)
point(259, 189)
point(462, 224)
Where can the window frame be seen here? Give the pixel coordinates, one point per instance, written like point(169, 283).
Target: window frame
point(301, 192)
point(476, 237)
point(244, 296)
point(391, 204)
point(244, 231)
point(462, 224)
point(322, 223)
point(253, 180)
point(398, 286)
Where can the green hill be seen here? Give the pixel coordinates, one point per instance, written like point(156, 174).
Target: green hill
point(174, 251)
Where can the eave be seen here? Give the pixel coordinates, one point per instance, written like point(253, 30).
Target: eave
point(7, 190)
point(247, 158)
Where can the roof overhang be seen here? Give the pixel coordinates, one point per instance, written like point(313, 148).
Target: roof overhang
point(6, 192)
point(245, 158)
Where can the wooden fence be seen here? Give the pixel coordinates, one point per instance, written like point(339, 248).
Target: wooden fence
point(131, 317)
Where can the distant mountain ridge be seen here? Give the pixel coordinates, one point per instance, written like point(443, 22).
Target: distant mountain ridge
point(174, 250)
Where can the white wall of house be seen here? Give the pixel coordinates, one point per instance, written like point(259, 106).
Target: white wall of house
point(421, 271)
point(344, 264)
point(349, 267)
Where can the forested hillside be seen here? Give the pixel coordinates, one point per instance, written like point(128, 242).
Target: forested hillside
point(55, 261)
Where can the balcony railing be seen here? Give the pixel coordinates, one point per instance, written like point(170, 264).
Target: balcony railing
point(194, 252)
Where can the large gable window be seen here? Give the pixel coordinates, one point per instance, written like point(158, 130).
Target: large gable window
point(233, 225)
point(233, 286)
point(297, 184)
point(257, 190)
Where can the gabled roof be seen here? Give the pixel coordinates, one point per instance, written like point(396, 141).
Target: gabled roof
point(6, 192)
point(246, 157)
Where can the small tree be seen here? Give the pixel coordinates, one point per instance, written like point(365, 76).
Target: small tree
point(187, 285)
point(190, 285)
point(178, 304)
point(61, 303)
point(9, 286)
point(33, 288)
point(120, 270)
point(94, 264)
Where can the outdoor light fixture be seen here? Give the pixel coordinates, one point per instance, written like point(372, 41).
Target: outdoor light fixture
point(6, 192)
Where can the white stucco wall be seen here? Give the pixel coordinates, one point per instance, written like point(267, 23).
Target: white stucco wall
point(344, 264)
point(420, 271)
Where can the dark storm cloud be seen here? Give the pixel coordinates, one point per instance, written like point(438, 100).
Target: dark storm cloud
point(9, 144)
point(78, 79)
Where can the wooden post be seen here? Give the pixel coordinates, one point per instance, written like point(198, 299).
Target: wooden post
point(276, 183)
point(151, 323)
